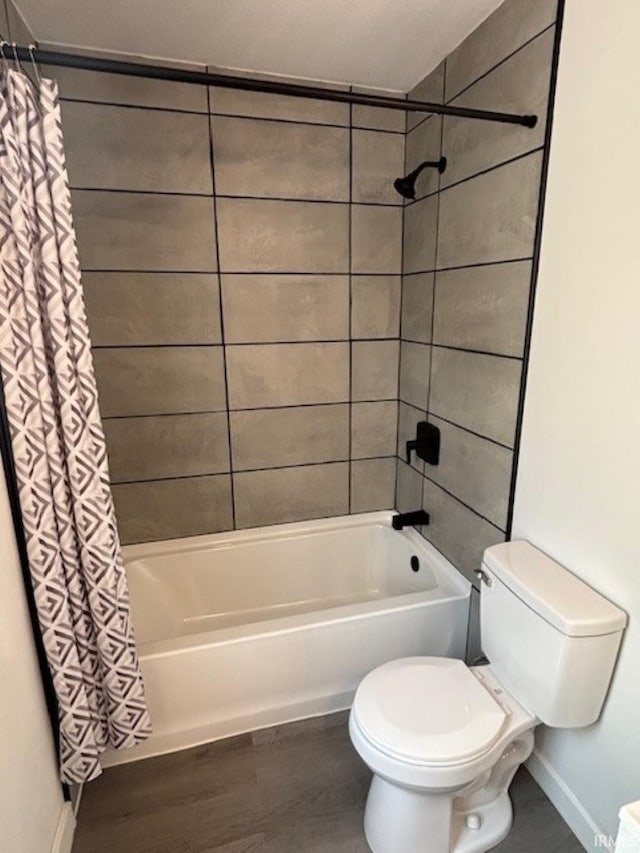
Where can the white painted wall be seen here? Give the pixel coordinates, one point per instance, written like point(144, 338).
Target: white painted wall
point(578, 488)
point(33, 815)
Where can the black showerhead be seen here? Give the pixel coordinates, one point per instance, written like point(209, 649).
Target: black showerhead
point(407, 186)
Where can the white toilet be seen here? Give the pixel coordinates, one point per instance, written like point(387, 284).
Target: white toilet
point(444, 740)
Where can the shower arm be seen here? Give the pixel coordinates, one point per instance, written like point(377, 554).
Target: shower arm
point(228, 81)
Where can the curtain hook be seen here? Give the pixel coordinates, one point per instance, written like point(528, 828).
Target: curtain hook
point(36, 70)
point(16, 62)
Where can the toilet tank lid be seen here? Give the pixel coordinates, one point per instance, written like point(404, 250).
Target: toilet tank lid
point(552, 591)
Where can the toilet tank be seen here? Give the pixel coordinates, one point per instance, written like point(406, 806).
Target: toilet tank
point(552, 641)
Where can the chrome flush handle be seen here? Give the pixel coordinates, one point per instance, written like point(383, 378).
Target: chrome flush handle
point(483, 576)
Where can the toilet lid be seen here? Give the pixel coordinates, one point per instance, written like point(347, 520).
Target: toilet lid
point(427, 710)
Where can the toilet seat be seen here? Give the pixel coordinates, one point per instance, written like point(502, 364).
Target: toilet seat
point(428, 711)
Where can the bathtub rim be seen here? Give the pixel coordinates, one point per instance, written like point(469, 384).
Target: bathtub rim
point(450, 583)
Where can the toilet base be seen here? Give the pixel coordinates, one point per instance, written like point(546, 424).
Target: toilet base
point(495, 823)
point(403, 820)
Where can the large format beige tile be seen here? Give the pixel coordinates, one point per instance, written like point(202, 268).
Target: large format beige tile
point(124, 89)
point(424, 143)
point(376, 239)
point(280, 159)
point(491, 217)
point(415, 360)
point(373, 483)
point(170, 509)
point(160, 380)
point(417, 307)
point(458, 532)
point(420, 229)
point(374, 428)
point(283, 236)
point(259, 308)
point(374, 370)
point(284, 107)
point(4, 22)
point(479, 392)
point(483, 308)
point(508, 28)
point(154, 448)
point(377, 160)
point(137, 231)
point(430, 90)
point(375, 306)
point(475, 470)
point(408, 488)
point(287, 374)
point(17, 30)
point(378, 118)
point(125, 148)
point(270, 438)
point(152, 308)
point(519, 85)
point(291, 494)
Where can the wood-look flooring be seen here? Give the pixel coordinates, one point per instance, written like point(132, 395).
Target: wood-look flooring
point(298, 788)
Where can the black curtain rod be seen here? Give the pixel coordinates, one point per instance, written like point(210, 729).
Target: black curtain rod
point(181, 75)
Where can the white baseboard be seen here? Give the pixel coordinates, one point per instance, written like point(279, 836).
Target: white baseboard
point(63, 840)
point(574, 814)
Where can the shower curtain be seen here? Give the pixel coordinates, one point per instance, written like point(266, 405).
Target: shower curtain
point(58, 443)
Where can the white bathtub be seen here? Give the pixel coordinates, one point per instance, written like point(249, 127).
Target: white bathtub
point(237, 631)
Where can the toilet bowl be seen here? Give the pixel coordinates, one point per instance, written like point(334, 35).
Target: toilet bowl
point(444, 740)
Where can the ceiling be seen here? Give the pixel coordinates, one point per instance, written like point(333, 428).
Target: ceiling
point(388, 44)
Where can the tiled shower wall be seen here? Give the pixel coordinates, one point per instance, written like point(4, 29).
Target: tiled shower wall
point(241, 259)
point(468, 246)
point(12, 25)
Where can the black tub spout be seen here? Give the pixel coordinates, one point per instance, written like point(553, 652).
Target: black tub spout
point(408, 519)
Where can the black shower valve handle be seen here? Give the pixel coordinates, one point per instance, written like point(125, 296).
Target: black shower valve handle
point(426, 444)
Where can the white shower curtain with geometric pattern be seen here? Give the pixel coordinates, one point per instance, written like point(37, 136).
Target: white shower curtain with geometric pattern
point(58, 443)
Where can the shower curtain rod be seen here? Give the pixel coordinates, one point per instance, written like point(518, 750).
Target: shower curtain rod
point(181, 75)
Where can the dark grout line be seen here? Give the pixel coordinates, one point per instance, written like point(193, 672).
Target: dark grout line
point(67, 99)
point(472, 351)
point(221, 311)
point(293, 199)
point(530, 152)
point(466, 505)
point(470, 431)
point(337, 511)
point(350, 309)
point(438, 345)
point(501, 62)
point(345, 402)
point(435, 277)
point(483, 75)
point(214, 114)
point(228, 344)
point(127, 191)
point(470, 266)
point(344, 274)
point(234, 473)
point(400, 325)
